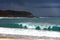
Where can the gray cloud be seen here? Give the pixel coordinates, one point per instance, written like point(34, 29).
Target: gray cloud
point(40, 8)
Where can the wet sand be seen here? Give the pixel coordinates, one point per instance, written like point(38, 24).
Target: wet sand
point(21, 37)
point(26, 38)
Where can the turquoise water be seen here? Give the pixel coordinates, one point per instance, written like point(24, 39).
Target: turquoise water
point(51, 24)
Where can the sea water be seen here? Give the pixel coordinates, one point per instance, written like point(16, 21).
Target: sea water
point(40, 27)
point(45, 23)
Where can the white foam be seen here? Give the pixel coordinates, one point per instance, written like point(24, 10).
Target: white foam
point(34, 25)
point(29, 32)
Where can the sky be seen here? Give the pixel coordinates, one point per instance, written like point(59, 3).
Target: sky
point(36, 7)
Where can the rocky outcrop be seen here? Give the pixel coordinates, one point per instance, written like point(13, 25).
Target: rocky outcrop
point(11, 13)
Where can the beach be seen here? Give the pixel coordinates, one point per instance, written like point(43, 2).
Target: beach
point(29, 39)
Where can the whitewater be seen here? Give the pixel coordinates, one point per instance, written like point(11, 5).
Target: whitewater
point(31, 24)
point(29, 32)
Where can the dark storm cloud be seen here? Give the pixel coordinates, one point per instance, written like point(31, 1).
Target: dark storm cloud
point(37, 7)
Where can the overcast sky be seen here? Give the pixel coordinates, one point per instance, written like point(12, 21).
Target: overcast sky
point(36, 7)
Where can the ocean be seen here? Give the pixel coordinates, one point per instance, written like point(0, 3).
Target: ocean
point(42, 23)
point(31, 27)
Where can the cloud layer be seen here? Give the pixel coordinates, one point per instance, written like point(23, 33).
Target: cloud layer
point(37, 7)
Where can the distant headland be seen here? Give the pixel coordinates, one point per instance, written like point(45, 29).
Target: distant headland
point(13, 13)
